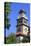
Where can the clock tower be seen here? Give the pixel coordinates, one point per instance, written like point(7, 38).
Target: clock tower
point(22, 25)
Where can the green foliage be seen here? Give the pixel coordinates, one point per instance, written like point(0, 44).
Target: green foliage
point(11, 39)
point(26, 39)
point(6, 14)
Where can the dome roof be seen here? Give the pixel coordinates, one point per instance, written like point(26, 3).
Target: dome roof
point(22, 14)
point(22, 11)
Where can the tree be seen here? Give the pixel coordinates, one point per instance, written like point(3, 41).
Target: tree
point(6, 14)
point(11, 39)
point(6, 19)
point(26, 39)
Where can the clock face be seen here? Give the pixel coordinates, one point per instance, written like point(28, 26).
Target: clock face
point(26, 29)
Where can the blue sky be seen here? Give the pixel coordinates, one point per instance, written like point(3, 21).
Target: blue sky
point(15, 7)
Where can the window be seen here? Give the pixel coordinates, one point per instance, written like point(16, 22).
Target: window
point(25, 21)
point(19, 22)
